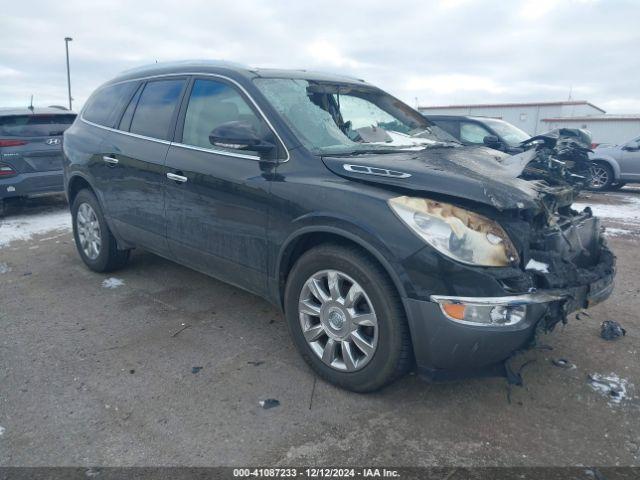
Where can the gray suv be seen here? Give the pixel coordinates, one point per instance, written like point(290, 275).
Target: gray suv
point(615, 165)
point(31, 151)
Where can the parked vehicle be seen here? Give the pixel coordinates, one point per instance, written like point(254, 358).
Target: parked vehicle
point(492, 132)
point(31, 151)
point(384, 241)
point(615, 165)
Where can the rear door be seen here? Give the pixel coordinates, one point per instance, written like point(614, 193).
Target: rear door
point(132, 166)
point(217, 211)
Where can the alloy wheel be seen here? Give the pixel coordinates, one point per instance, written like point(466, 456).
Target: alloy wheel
point(599, 176)
point(88, 228)
point(338, 320)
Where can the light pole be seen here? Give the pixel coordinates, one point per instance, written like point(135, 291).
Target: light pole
point(66, 46)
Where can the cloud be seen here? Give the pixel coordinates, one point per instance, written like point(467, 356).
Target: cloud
point(446, 84)
point(457, 51)
point(324, 52)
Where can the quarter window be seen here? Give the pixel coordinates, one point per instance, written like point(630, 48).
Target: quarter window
point(155, 108)
point(211, 104)
point(106, 105)
point(473, 133)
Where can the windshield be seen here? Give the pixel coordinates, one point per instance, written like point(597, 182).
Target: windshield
point(509, 133)
point(341, 118)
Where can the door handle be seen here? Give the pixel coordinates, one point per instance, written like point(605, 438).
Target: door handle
point(110, 160)
point(176, 177)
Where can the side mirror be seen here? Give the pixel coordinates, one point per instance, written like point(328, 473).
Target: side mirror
point(632, 146)
point(239, 136)
point(491, 141)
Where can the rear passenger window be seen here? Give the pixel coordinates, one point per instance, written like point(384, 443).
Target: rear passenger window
point(106, 105)
point(212, 104)
point(125, 123)
point(155, 108)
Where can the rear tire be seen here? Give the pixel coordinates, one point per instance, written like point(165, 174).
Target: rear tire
point(95, 243)
point(601, 177)
point(363, 307)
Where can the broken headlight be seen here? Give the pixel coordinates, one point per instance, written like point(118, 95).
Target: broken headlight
point(457, 233)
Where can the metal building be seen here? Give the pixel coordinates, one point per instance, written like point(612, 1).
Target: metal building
point(539, 117)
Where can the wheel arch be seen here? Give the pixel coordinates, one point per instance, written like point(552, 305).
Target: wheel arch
point(611, 162)
point(76, 183)
point(306, 238)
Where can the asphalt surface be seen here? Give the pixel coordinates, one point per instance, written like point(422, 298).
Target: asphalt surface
point(91, 375)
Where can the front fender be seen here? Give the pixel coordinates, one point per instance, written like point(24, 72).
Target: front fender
point(609, 160)
point(351, 230)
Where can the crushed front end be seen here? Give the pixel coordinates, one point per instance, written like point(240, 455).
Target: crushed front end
point(484, 315)
point(480, 316)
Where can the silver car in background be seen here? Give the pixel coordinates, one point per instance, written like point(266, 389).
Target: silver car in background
point(615, 165)
point(31, 151)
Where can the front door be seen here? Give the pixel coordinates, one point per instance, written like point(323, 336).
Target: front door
point(630, 161)
point(217, 199)
point(136, 178)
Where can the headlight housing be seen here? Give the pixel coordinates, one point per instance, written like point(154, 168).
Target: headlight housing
point(457, 233)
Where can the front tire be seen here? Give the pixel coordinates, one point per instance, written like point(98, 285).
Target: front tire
point(601, 177)
point(95, 242)
point(346, 318)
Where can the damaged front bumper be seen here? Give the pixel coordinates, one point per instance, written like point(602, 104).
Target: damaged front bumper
point(458, 336)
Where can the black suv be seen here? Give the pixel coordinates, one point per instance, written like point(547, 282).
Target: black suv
point(385, 241)
point(492, 132)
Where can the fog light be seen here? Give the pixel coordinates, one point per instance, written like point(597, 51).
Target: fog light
point(507, 315)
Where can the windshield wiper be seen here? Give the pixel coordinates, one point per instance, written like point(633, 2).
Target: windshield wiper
point(353, 153)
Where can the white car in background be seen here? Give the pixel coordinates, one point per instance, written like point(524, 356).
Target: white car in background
point(615, 165)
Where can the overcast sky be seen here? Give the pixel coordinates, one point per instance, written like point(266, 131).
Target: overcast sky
point(448, 52)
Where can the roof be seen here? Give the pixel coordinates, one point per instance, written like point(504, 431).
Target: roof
point(596, 118)
point(36, 111)
point(225, 67)
point(530, 104)
point(463, 117)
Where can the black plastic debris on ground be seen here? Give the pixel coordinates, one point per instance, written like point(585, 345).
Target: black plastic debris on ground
point(256, 363)
point(610, 330)
point(562, 363)
point(269, 403)
point(195, 369)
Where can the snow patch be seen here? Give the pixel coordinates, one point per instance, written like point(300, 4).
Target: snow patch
point(4, 268)
point(2, 430)
point(616, 232)
point(627, 212)
point(612, 387)
point(112, 282)
point(24, 227)
point(537, 266)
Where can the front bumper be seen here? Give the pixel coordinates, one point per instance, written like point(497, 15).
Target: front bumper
point(31, 184)
point(445, 348)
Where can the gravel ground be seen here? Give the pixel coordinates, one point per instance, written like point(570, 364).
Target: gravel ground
point(99, 370)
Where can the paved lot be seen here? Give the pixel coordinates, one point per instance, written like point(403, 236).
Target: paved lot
point(94, 375)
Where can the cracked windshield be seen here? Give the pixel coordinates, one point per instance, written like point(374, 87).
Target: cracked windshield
point(347, 119)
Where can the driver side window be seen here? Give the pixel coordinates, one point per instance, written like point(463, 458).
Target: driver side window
point(213, 103)
point(472, 133)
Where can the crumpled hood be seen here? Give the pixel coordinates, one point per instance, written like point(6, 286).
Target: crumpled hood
point(478, 174)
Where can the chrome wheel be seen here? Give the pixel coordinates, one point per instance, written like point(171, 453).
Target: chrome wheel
point(599, 176)
point(338, 320)
point(88, 228)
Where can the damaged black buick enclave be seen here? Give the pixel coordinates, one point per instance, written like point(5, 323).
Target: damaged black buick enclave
point(386, 242)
